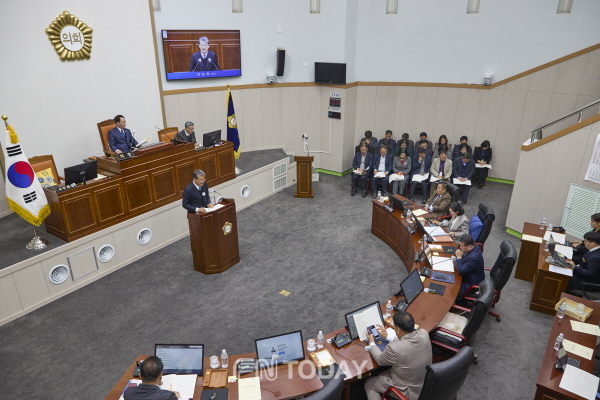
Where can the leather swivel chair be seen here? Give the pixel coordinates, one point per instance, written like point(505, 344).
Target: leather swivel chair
point(454, 192)
point(487, 216)
point(103, 128)
point(332, 388)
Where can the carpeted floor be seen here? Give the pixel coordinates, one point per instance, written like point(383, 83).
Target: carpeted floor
point(321, 250)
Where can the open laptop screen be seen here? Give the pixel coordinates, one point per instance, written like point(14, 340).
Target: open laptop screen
point(181, 358)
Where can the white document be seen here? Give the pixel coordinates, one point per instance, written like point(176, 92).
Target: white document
point(435, 231)
point(457, 182)
point(488, 166)
point(590, 329)
point(566, 251)
point(249, 389)
point(184, 384)
point(420, 178)
point(576, 380)
point(380, 175)
point(578, 350)
point(559, 238)
point(418, 212)
point(391, 334)
point(442, 264)
point(593, 171)
point(365, 319)
point(561, 270)
point(216, 207)
point(530, 238)
point(436, 247)
point(434, 179)
point(396, 177)
point(357, 172)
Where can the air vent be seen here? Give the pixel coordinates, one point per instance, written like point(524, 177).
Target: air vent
point(106, 253)
point(58, 274)
point(144, 236)
point(279, 183)
point(245, 192)
point(279, 170)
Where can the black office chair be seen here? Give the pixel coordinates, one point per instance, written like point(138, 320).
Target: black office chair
point(454, 192)
point(590, 291)
point(487, 216)
point(499, 274)
point(332, 387)
point(445, 346)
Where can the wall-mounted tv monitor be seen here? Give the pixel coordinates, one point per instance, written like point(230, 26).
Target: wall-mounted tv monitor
point(193, 54)
point(331, 73)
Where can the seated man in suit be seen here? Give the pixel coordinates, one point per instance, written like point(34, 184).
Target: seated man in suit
point(469, 263)
point(421, 165)
point(441, 168)
point(187, 134)
point(371, 141)
point(363, 142)
point(409, 142)
point(120, 139)
point(382, 162)
point(391, 143)
point(439, 201)
point(588, 271)
point(204, 60)
point(362, 163)
point(423, 136)
point(579, 248)
point(407, 354)
point(482, 156)
point(463, 170)
point(463, 140)
point(151, 373)
point(421, 144)
point(195, 195)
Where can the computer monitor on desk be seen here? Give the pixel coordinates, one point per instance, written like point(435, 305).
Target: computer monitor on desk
point(412, 286)
point(81, 173)
point(181, 358)
point(211, 139)
point(279, 349)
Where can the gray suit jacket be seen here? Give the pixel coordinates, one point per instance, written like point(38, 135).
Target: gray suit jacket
point(408, 358)
point(459, 225)
point(183, 137)
point(398, 167)
point(435, 168)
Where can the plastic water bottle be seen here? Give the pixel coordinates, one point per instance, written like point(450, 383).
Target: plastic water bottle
point(388, 309)
point(561, 311)
point(224, 359)
point(320, 340)
point(543, 225)
point(559, 340)
point(379, 196)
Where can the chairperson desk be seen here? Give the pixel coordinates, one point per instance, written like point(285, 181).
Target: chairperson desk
point(296, 380)
point(548, 380)
point(528, 255)
point(152, 179)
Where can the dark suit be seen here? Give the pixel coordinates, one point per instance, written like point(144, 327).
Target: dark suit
point(481, 173)
point(580, 250)
point(391, 146)
point(461, 171)
point(145, 392)
point(388, 168)
point(198, 63)
point(456, 150)
point(356, 165)
point(194, 198)
point(416, 167)
point(587, 271)
point(116, 141)
point(183, 137)
point(470, 267)
point(373, 144)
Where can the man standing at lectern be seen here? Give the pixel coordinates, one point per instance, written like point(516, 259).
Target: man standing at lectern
point(120, 139)
point(195, 195)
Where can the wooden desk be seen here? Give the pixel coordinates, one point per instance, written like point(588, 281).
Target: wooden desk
point(548, 380)
point(527, 262)
point(133, 187)
point(547, 286)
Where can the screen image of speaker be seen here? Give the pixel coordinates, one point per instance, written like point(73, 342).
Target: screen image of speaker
point(280, 61)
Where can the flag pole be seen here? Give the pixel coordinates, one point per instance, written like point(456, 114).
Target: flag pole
point(237, 169)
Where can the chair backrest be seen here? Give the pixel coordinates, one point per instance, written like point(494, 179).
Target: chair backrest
point(103, 128)
point(454, 192)
point(331, 390)
point(480, 309)
point(503, 266)
point(487, 216)
point(41, 163)
point(168, 134)
point(443, 380)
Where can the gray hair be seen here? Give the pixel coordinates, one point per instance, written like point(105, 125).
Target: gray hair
point(198, 173)
point(204, 39)
point(188, 124)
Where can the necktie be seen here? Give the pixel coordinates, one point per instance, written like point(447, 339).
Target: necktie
point(123, 132)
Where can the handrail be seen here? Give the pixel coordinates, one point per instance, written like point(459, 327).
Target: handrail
point(536, 134)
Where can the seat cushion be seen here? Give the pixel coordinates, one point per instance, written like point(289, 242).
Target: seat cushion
point(475, 227)
point(452, 322)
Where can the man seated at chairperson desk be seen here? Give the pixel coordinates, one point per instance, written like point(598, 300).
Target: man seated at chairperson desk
point(120, 139)
point(187, 134)
point(408, 355)
point(195, 195)
point(151, 373)
point(588, 271)
point(439, 201)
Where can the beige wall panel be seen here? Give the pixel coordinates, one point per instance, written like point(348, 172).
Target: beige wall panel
point(179, 222)
point(349, 118)
point(509, 125)
point(385, 106)
point(585, 158)
point(101, 241)
point(271, 117)
point(31, 285)
point(172, 111)
point(519, 84)
point(584, 100)
point(560, 105)
point(213, 114)
point(486, 127)
point(190, 110)
point(570, 75)
point(253, 128)
point(445, 115)
point(147, 223)
point(333, 127)
point(127, 245)
point(406, 101)
point(365, 111)
point(48, 264)
point(300, 108)
point(535, 115)
point(424, 117)
point(466, 114)
point(162, 228)
point(543, 81)
point(589, 81)
point(9, 297)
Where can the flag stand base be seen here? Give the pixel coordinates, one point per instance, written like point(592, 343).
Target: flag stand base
point(237, 170)
point(37, 243)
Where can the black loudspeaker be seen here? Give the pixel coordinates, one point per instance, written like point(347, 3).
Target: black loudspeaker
point(280, 61)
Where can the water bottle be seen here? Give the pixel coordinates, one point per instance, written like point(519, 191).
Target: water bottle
point(543, 225)
point(379, 196)
point(320, 340)
point(559, 340)
point(224, 359)
point(388, 309)
point(561, 311)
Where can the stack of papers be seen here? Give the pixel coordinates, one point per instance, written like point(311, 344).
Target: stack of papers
point(396, 177)
point(249, 389)
point(489, 166)
point(420, 178)
point(559, 238)
point(365, 319)
point(560, 270)
point(184, 384)
point(442, 264)
point(529, 238)
point(418, 212)
point(216, 207)
point(581, 383)
point(435, 231)
point(566, 251)
point(380, 175)
point(457, 182)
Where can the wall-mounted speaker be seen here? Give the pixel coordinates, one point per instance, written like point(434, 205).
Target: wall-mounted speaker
point(280, 61)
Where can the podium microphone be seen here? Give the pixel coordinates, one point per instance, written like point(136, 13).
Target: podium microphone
point(214, 191)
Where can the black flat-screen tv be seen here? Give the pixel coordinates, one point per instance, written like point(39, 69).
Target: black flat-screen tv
point(330, 73)
point(199, 54)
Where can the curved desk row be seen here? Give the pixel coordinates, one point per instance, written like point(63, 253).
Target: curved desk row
point(294, 380)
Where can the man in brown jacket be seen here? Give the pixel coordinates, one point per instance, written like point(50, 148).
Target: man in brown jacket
point(439, 201)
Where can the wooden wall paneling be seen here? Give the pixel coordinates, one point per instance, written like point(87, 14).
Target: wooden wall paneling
point(208, 164)
point(251, 105)
point(445, 115)
point(271, 117)
point(31, 285)
point(225, 163)
point(179, 57)
point(466, 114)
point(212, 106)
point(406, 99)
point(79, 212)
point(589, 82)
point(231, 55)
point(138, 192)
point(190, 110)
point(486, 127)
point(172, 112)
point(379, 221)
point(110, 201)
point(55, 220)
point(424, 116)
point(184, 174)
point(311, 114)
point(521, 84)
point(365, 111)
point(570, 75)
point(163, 184)
point(385, 105)
point(393, 231)
point(544, 80)
point(9, 297)
point(509, 125)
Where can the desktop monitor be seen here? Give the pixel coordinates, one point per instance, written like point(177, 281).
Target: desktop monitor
point(396, 202)
point(412, 286)
point(181, 358)
point(421, 227)
point(373, 307)
point(286, 348)
point(211, 138)
point(81, 173)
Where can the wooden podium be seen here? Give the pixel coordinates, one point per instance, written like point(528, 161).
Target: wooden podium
point(304, 177)
point(214, 239)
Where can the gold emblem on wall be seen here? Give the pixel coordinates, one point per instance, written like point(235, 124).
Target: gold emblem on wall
point(227, 228)
point(71, 38)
